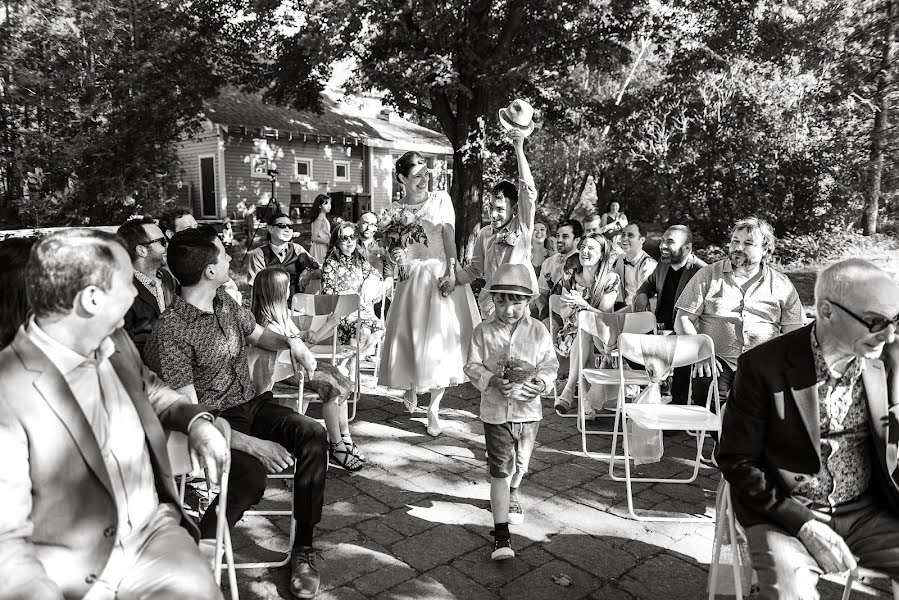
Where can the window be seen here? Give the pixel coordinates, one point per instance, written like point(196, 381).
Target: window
point(341, 171)
point(304, 169)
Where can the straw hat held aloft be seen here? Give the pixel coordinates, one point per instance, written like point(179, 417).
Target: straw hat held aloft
point(518, 115)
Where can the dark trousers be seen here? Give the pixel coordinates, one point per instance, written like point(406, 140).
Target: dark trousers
point(785, 568)
point(701, 385)
point(303, 437)
point(680, 385)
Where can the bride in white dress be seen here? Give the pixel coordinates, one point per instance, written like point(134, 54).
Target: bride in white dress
point(430, 322)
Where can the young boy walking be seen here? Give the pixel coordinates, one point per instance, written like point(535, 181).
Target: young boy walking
point(519, 347)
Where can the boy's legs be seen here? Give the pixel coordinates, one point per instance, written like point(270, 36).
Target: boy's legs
point(525, 438)
point(501, 461)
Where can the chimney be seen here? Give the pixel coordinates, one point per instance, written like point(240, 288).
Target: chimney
point(384, 114)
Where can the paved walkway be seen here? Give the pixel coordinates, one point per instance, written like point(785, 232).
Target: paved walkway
point(415, 523)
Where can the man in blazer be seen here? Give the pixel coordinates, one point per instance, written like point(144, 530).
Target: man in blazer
point(88, 507)
point(676, 268)
point(155, 285)
point(809, 438)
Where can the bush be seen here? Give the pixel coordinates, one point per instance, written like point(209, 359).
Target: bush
point(828, 245)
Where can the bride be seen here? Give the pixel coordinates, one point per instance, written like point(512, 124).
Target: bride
point(430, 322)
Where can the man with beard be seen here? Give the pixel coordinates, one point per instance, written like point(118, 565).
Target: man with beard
point(634, 267)
point(808, 438)
point(568, 236)
point(512, 212)
point(668, 280)
point(155, 286)
point(739, 302)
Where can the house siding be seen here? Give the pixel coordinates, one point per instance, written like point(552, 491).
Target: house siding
point(206, 143)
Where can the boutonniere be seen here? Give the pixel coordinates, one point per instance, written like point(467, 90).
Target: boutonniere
point(508, 237)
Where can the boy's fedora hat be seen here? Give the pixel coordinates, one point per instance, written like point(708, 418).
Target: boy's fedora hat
point(518, 115)
point(512, 279)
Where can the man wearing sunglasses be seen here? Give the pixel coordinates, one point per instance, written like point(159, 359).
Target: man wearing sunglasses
point(281, 251)
point(809, 435)
point(155, 285)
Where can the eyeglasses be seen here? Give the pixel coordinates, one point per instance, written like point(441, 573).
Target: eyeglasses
point(347, 238)
point(283, 225)
point(162, 240)
point(875, 325)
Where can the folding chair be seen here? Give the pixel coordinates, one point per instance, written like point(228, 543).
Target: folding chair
point(726, 535)
point(320, 306)
point(375, 365)
point(183, 462)
point(603, 330)
point(863, 573)
point(683, 350)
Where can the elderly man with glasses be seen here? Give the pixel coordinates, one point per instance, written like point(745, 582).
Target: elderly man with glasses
point(808, 441)
point(281, 251)
point(155, 285)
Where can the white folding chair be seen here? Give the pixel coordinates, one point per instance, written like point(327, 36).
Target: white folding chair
point(320, 306)
point(726, 535)
point(183, 463)
point(863, 573)
point(684, 350)
point(602, 329)
point(375, 365)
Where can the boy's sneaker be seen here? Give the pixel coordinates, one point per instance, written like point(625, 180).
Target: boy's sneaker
point(502, 547)
point(516, 515)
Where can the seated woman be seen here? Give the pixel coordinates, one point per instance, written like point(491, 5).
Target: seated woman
point(541, 248)
point(345, 271)
point(270, 295)
point(590, 284)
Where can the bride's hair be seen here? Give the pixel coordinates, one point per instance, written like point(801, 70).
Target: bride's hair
point(408, 161)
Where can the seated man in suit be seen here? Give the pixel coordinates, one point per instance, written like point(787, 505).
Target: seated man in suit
point(808, 441)
point(667, 281)
point(87, 501)
point(155, 285)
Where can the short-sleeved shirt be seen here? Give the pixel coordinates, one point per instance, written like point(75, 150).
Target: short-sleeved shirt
point(738, 321)
point(208, 350)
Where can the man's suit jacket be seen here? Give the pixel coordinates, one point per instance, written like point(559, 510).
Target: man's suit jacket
point(656, 280)
point(58, 513)
point(142, 315)
point(770, 437)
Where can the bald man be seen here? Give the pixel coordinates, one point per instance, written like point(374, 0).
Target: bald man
point(808, 441)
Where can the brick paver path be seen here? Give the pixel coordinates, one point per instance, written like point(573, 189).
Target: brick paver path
point(414, 524)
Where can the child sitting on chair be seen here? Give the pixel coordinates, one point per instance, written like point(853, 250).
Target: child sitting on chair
point(511, 362)
point(270, 294)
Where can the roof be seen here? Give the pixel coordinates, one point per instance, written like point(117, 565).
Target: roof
point(233, 108)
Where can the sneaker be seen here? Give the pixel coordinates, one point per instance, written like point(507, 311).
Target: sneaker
point(304, 578)
point(516, 515)
point(502, 548)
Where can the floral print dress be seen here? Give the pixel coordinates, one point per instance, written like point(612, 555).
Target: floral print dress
point(566, 333)
point(345, 275)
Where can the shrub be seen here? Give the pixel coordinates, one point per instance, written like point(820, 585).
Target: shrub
point(828, 245)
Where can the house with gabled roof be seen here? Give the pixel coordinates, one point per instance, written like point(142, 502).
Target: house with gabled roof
point(250, 150)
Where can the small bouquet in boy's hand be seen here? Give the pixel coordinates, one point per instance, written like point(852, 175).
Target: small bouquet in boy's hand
point(516, 372)
point(400, 228)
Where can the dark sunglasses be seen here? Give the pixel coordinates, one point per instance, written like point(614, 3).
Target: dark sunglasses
point(347, 238)
point(874, 325)
point(162, 240)
point(283, 225)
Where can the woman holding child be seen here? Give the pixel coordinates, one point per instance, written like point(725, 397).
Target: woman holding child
point(431, 320)
point(588, 283)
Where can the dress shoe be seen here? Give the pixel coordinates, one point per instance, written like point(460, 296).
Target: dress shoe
point(304, 579)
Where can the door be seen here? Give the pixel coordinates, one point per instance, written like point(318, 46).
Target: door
point(207, 186)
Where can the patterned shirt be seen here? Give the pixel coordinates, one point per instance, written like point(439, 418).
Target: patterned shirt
point(494, 340)
point(155, 287)
point(552, 271)
point(736, 320)
point(846, 463)
point(208, 350)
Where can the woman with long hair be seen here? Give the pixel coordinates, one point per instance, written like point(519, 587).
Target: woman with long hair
point(270, 296)
point(430, 323)
point(347, 272)
point(321, 227)
point(588, 283)
point(14, 253)
point(541, 249)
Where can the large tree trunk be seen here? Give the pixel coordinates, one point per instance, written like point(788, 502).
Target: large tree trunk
point(466, 190)
point(881, 121)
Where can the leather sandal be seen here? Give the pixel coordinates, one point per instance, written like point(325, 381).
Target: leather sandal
point(353, 448)
point(344, 458)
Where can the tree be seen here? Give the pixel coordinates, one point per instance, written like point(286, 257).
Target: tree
point(94, 97)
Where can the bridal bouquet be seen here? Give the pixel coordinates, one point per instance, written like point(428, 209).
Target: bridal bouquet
point(400, 228)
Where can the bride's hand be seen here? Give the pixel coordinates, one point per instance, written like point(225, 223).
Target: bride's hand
point(446, 285)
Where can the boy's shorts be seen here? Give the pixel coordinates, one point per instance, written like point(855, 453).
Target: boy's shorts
point(509, 447)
